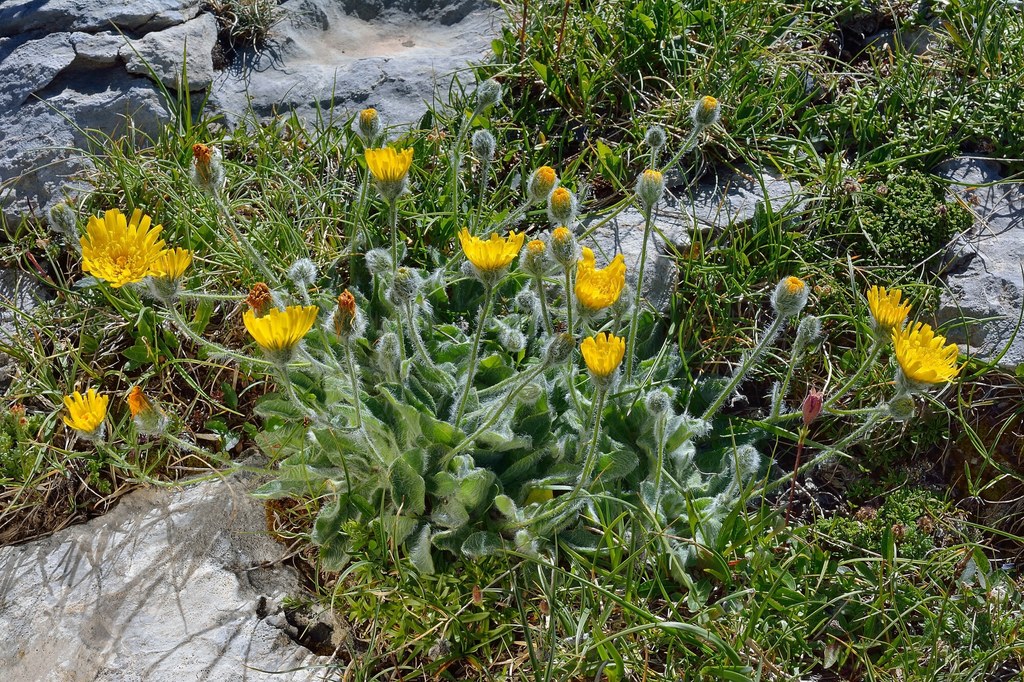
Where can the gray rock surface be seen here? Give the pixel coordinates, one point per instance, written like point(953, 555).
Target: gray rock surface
point(395, 56)
point(162, 51)
point(20, 294)
point(51, 16)
point(981, 302)
point(171, 585)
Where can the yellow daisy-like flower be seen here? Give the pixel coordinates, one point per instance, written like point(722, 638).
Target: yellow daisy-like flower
point(923, 355)
point(536, 247)
point(280, 330)
point(171, 264)
point(597, 289)
point(118, 251)
point(86, 413)
point(887, 313)
point(389, 165)
point(494, 254)
point(603, 353)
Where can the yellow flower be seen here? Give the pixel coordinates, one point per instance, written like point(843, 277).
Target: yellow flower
point(118, 251)
point(794, 285)
point(887, 312)
point(708, 104)
point(138, 402)
point(494, 254)
point(171, 264)
point(280, 330)
point(86, 413)
point(923, 355)
point(597, 289)
point(536, 247)
point(603, 353)
point(388, 165)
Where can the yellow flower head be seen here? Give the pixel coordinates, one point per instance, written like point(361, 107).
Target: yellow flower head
point(923, 355)
point(790, 296)
point(794, 285)
point(560, 234)
point(388, 165)
point(138, 402)
point(535, 247)
point(118, 251)
point(887, 312)
point(280, 330)
point(561, 206)
point(86, 413)
point(597, 289)
point(171, 264)
point(492, 255)
point(708, 104)
point(603, 353)
point(368, 117)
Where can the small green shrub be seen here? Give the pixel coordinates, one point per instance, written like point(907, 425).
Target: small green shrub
point(17, 443)
point(906, 515)
point(906, 220)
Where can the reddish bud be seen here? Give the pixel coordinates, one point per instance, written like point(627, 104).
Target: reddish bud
point(812, 405)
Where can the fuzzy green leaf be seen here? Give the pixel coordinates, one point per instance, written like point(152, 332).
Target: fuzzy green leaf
point(408, 488)
point(481, 544)
point(419, 552)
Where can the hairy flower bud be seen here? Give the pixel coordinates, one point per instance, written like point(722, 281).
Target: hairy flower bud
point(658, 402)
point(564, 248)
point(347, 322)
point(488, 94)
point(259, 299)
point(790, 296)
point(303, 273)
point(388, 357)
point(559, 349)
point(655, 137)
point(540, 185)
point(901, 408)
point(562, 207)
point(405, 287)
point(533, 261)
point(147, 416)
point(650, 186)
point(368, 126)
point(807, 334)
point(207, 168)
point(622, 307)
point(706, 112)
point(512, 340)
point(747, 462)
point(378, 261)
point(64, 221)
point(483, 145)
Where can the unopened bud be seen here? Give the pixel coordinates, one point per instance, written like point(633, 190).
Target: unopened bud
point(388, 357)
point(405, 286)
point(706, 112)
point(790, 296)
point(811, 407)
point(369, 126)
point(303, 273)
point(561, 207)
point(655, 137)
point(147, 416)
point(63, 221)
point(259, 299)
point(901, 408)
point(559, 350)
point(488, 94)
point(807, 334)
point(346, 320)
point(378, 261)
point(533, 260)
point(483, 145)
point(540, 185)
point(622, 307)
point(564, 248)
point(649, 188)
point(512, 340)
point(658, 402)
point(748, 462)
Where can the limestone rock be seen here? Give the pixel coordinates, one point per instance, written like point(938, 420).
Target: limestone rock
point(162, 51)
point(20, 294)
point(169, 586)
point(985, 280)
point(51, 16)
point(31, 66)
point(94, 50)
point(322, 54)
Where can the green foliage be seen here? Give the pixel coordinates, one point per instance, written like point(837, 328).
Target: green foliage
point(19, 445)
point(906, 220)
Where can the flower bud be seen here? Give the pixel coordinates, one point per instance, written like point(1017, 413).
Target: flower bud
point(533, 261)
point(747, 462)
point(405, 286)
point(488, 94)
point(658, 402)
point(259, 299)
point(347, 322)
point(901, 408)
point(512, 340)
point(368, 126)
point(540, 185)
point(483, 145)
point(706, 112)
point(807, 334)
point(147, 416)
point(64, 221)
point(388, 357)
point(622, 307)
point(811, 407)
point(655, 137)
point(561, 207)
point(559, 349)
point(790, 296)
point(649, 188)
point(564, 248)
point(302, 273)
point(378, 261)
point(208, 168)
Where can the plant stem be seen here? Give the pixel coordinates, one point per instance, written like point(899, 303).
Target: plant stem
point(744, 367)
point(356, 401)
point(393, 219)
point(796, 468)
point(417, 342)
point(876, 350)
point(590, 461)
point(659, 436)
point(568, 299)
point(484, 171)
point(542, 295)
point(183, 327)
point(634, 323)
point(485, 310)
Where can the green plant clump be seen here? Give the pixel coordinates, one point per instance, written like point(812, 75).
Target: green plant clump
point(17, 442)
point(906, 220)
